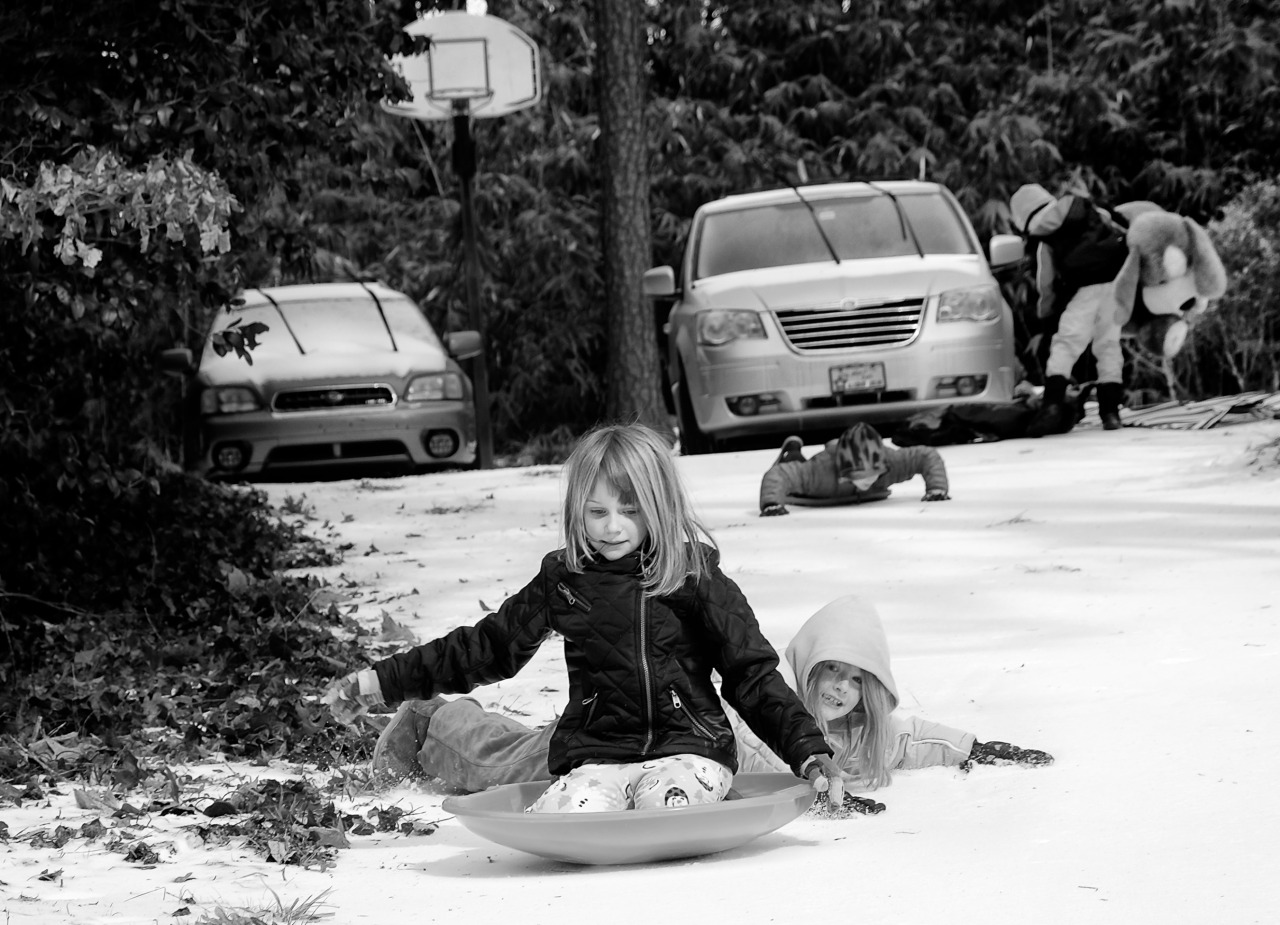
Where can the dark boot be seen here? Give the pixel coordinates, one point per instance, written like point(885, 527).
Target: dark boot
point(1110, 399)
point(1055, 414)
point(402, 738)
point(792, 450)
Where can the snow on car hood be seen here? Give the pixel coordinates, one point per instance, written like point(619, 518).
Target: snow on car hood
point(881, 278)
point(277, 363)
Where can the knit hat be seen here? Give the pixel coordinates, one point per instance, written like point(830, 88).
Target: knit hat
point(1026, 202)
point(860, 457)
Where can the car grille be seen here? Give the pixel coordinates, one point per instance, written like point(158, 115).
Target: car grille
point(342, 396)
point(851, 324)
point(332, 452)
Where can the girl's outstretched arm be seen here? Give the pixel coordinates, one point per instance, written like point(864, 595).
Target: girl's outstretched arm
point(751, 682)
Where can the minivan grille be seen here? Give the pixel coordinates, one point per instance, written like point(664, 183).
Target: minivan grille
point(338, 396)
point(851, 324)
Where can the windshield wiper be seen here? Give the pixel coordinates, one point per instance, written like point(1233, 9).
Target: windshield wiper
point(381, 314)
point(817, 223)
point(907, 230)
point(287, 327)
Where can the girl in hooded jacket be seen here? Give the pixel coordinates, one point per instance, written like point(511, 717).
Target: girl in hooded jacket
point(646, 616)
point(839, 661)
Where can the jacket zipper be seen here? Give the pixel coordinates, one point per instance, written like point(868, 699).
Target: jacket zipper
point(589, 709)
point(697, 723)
point(572, 599)
point(645, 676)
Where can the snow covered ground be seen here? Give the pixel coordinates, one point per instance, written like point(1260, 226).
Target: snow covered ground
point(1110, 597)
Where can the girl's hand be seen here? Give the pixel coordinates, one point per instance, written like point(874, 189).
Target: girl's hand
point(863, 806)
point(351, 697)
point(1004, 753)
point(826, 777)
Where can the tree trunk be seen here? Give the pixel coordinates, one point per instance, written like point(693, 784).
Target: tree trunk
point(634, 383)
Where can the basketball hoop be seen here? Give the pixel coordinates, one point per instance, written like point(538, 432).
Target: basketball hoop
point(477, 60)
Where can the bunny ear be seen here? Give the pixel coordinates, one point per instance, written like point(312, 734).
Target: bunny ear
point(1210, 274)
point(1125, 287)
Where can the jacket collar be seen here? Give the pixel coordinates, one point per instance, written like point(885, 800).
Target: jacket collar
point(629, 564)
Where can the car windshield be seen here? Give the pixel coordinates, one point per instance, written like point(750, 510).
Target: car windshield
point(858, 227)
point(334, 326)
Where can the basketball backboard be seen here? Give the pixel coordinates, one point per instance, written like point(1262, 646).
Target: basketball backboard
point(482, 61)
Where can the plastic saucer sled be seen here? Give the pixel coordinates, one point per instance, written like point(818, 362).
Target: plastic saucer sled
point(757, 805)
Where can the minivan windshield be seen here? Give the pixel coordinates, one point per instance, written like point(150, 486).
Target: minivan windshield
point(335, 326)
point(859, 227)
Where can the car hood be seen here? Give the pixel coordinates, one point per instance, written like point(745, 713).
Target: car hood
point(332, 364)
point(878, 279)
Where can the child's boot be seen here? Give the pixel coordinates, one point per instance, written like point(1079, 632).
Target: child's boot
point(792, 450)
point(1110, 398)
point(1054, 416)
point(402, 738)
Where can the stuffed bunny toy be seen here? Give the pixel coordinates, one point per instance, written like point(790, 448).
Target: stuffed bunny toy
point(1178, 269)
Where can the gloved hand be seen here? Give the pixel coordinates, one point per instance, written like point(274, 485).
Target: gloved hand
point(353, 696)
point(774, 510)
point(936, 494)
point(1004, 753)
point(824, 809)
point(825, 777)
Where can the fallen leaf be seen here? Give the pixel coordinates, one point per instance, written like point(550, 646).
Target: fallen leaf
point(395, 632)
point(330, 838)
point(88, 800)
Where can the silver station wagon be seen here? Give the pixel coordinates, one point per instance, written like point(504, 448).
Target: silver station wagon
point(807, 309)
point(342, 375)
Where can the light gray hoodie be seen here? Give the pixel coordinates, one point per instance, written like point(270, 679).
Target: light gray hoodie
point(849, 630)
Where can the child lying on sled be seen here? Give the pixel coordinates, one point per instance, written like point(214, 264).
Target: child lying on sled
point(841, 653)
point(854, 468)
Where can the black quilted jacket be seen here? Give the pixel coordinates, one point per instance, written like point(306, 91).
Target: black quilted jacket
point(639, 667)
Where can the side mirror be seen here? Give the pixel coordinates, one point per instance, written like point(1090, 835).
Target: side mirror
point(177, 361)
point(464, 345)
point(659, 283)
point(1006, 249)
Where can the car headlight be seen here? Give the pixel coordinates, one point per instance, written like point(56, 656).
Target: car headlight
point(228, 399)
point(437, 387)
point(720, 326)
point(978, 303)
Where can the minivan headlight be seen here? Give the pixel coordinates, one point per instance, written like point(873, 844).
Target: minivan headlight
point(977, 303)
point(436, 387)
point(721, 326)
point(228, 399)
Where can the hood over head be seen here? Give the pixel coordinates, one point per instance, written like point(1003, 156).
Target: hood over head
point(846, 630)
point(1026, 202)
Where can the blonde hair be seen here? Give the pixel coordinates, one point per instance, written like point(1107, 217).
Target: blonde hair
point(865, 755)
point(637, 464)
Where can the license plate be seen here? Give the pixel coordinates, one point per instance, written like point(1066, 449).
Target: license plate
point(857, 377)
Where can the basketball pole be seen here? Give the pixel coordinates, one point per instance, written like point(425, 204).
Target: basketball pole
point(470, 58)
point(464, 165)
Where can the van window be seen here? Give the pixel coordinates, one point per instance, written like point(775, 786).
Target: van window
point(858, 228)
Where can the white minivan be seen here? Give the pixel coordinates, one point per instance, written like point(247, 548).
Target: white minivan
point(806, 309)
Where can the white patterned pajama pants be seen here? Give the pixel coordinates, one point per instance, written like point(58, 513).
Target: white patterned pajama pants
point(663, 783)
